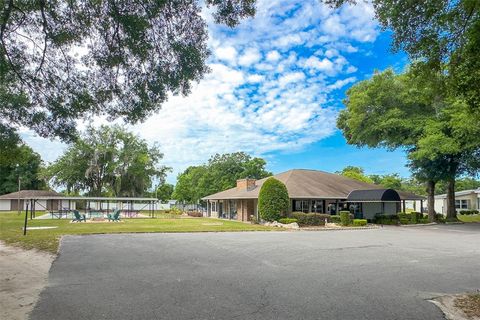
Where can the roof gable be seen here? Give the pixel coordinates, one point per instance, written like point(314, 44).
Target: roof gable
point(29, 194)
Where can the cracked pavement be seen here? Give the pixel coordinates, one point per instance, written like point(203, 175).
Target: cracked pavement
point(387, 273)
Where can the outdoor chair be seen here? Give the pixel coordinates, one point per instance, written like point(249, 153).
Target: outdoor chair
point(115, 216)
point(78, 217)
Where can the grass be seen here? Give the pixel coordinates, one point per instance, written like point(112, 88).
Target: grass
point(11, 228)
point(469, 218)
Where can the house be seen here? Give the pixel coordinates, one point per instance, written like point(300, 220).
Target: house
point(464, 200)
point(45, 200)
point(312, 191)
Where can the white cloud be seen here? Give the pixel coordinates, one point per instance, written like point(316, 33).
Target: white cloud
point(249, 57)
point(255, 78)
point(273, 56)
point(290, 77)
point(341, 83)
point(228, 54)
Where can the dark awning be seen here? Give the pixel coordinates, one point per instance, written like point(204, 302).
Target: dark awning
point(373, 195)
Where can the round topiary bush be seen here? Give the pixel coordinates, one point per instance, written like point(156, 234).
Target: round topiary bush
point(273, 200)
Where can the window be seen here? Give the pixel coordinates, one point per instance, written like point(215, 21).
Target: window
point(214, 206)
point(317, 206)
point(462, 204)
point(301, 206)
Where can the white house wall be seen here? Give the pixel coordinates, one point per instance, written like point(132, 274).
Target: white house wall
point(4, 205)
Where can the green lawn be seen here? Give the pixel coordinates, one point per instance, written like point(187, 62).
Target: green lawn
point(11, 230)
point(469, 218)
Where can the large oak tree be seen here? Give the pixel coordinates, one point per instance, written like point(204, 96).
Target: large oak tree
point(66, 60)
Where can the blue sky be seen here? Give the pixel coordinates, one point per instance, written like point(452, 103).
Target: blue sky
point(275, 89)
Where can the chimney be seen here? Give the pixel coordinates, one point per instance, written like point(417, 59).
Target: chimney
point(246, 184)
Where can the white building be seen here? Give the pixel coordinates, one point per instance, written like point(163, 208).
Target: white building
point(464, 200)
point(44, 200)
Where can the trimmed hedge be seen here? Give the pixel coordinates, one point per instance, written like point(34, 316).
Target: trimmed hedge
point(334, 219)
point(359, 222)
point(310, 219)
point(287, 220)
point(386, 219)
point(468, 212)
point(345, 218)
point(273, 200)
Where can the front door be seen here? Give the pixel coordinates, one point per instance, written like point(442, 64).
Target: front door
point(220, 209)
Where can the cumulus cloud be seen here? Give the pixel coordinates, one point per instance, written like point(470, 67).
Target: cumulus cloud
point(273, 56)
point(249, 57)
point(228, 54)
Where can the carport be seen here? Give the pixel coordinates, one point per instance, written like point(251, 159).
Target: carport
point(368, 203)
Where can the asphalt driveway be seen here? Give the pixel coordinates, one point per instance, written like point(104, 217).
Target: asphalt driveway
point(388, 273)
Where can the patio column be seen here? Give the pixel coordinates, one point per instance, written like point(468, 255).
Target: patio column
point(404, 207)
point(421, 206)
point(336, 206)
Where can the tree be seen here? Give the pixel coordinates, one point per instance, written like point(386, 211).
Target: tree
point(20, 162)
point(273, 200)
point(355, 173)
point(108, 160)
point(389, 181)
point(65, 61)
point(189, 187)
point(165, 191)
point(394, 111)
point(445, 35)
point(219, 173)
point(465, 183)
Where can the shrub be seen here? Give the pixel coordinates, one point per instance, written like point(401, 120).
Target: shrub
point(345, 218)
point(273, 200)
point(404, 216)
point(175, 211)
point(423, 220)
point(440, 218)
point(287, 220)
point(468, 212)
point(359, 222)
point(310, 219)
point(415, 217)
point(404, 221)
point(196, 214)
point(386, 219)
point(334, 219)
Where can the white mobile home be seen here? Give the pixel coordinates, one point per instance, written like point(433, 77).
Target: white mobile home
point(464, 200)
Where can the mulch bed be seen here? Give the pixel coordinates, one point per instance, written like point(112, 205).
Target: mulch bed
point(469, 304)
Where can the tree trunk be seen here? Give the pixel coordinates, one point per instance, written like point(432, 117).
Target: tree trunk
point(451, 211)
point(431, 200)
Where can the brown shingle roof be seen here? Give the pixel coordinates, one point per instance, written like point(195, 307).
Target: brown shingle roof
point(30, 194)
point(306, 184)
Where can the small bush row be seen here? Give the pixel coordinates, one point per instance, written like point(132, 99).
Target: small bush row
point(468, 212)
point(401, 218)
point(359, 222)
point(287, 220)
point(310, 219)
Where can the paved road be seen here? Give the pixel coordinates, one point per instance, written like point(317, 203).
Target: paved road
point(369, 274)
